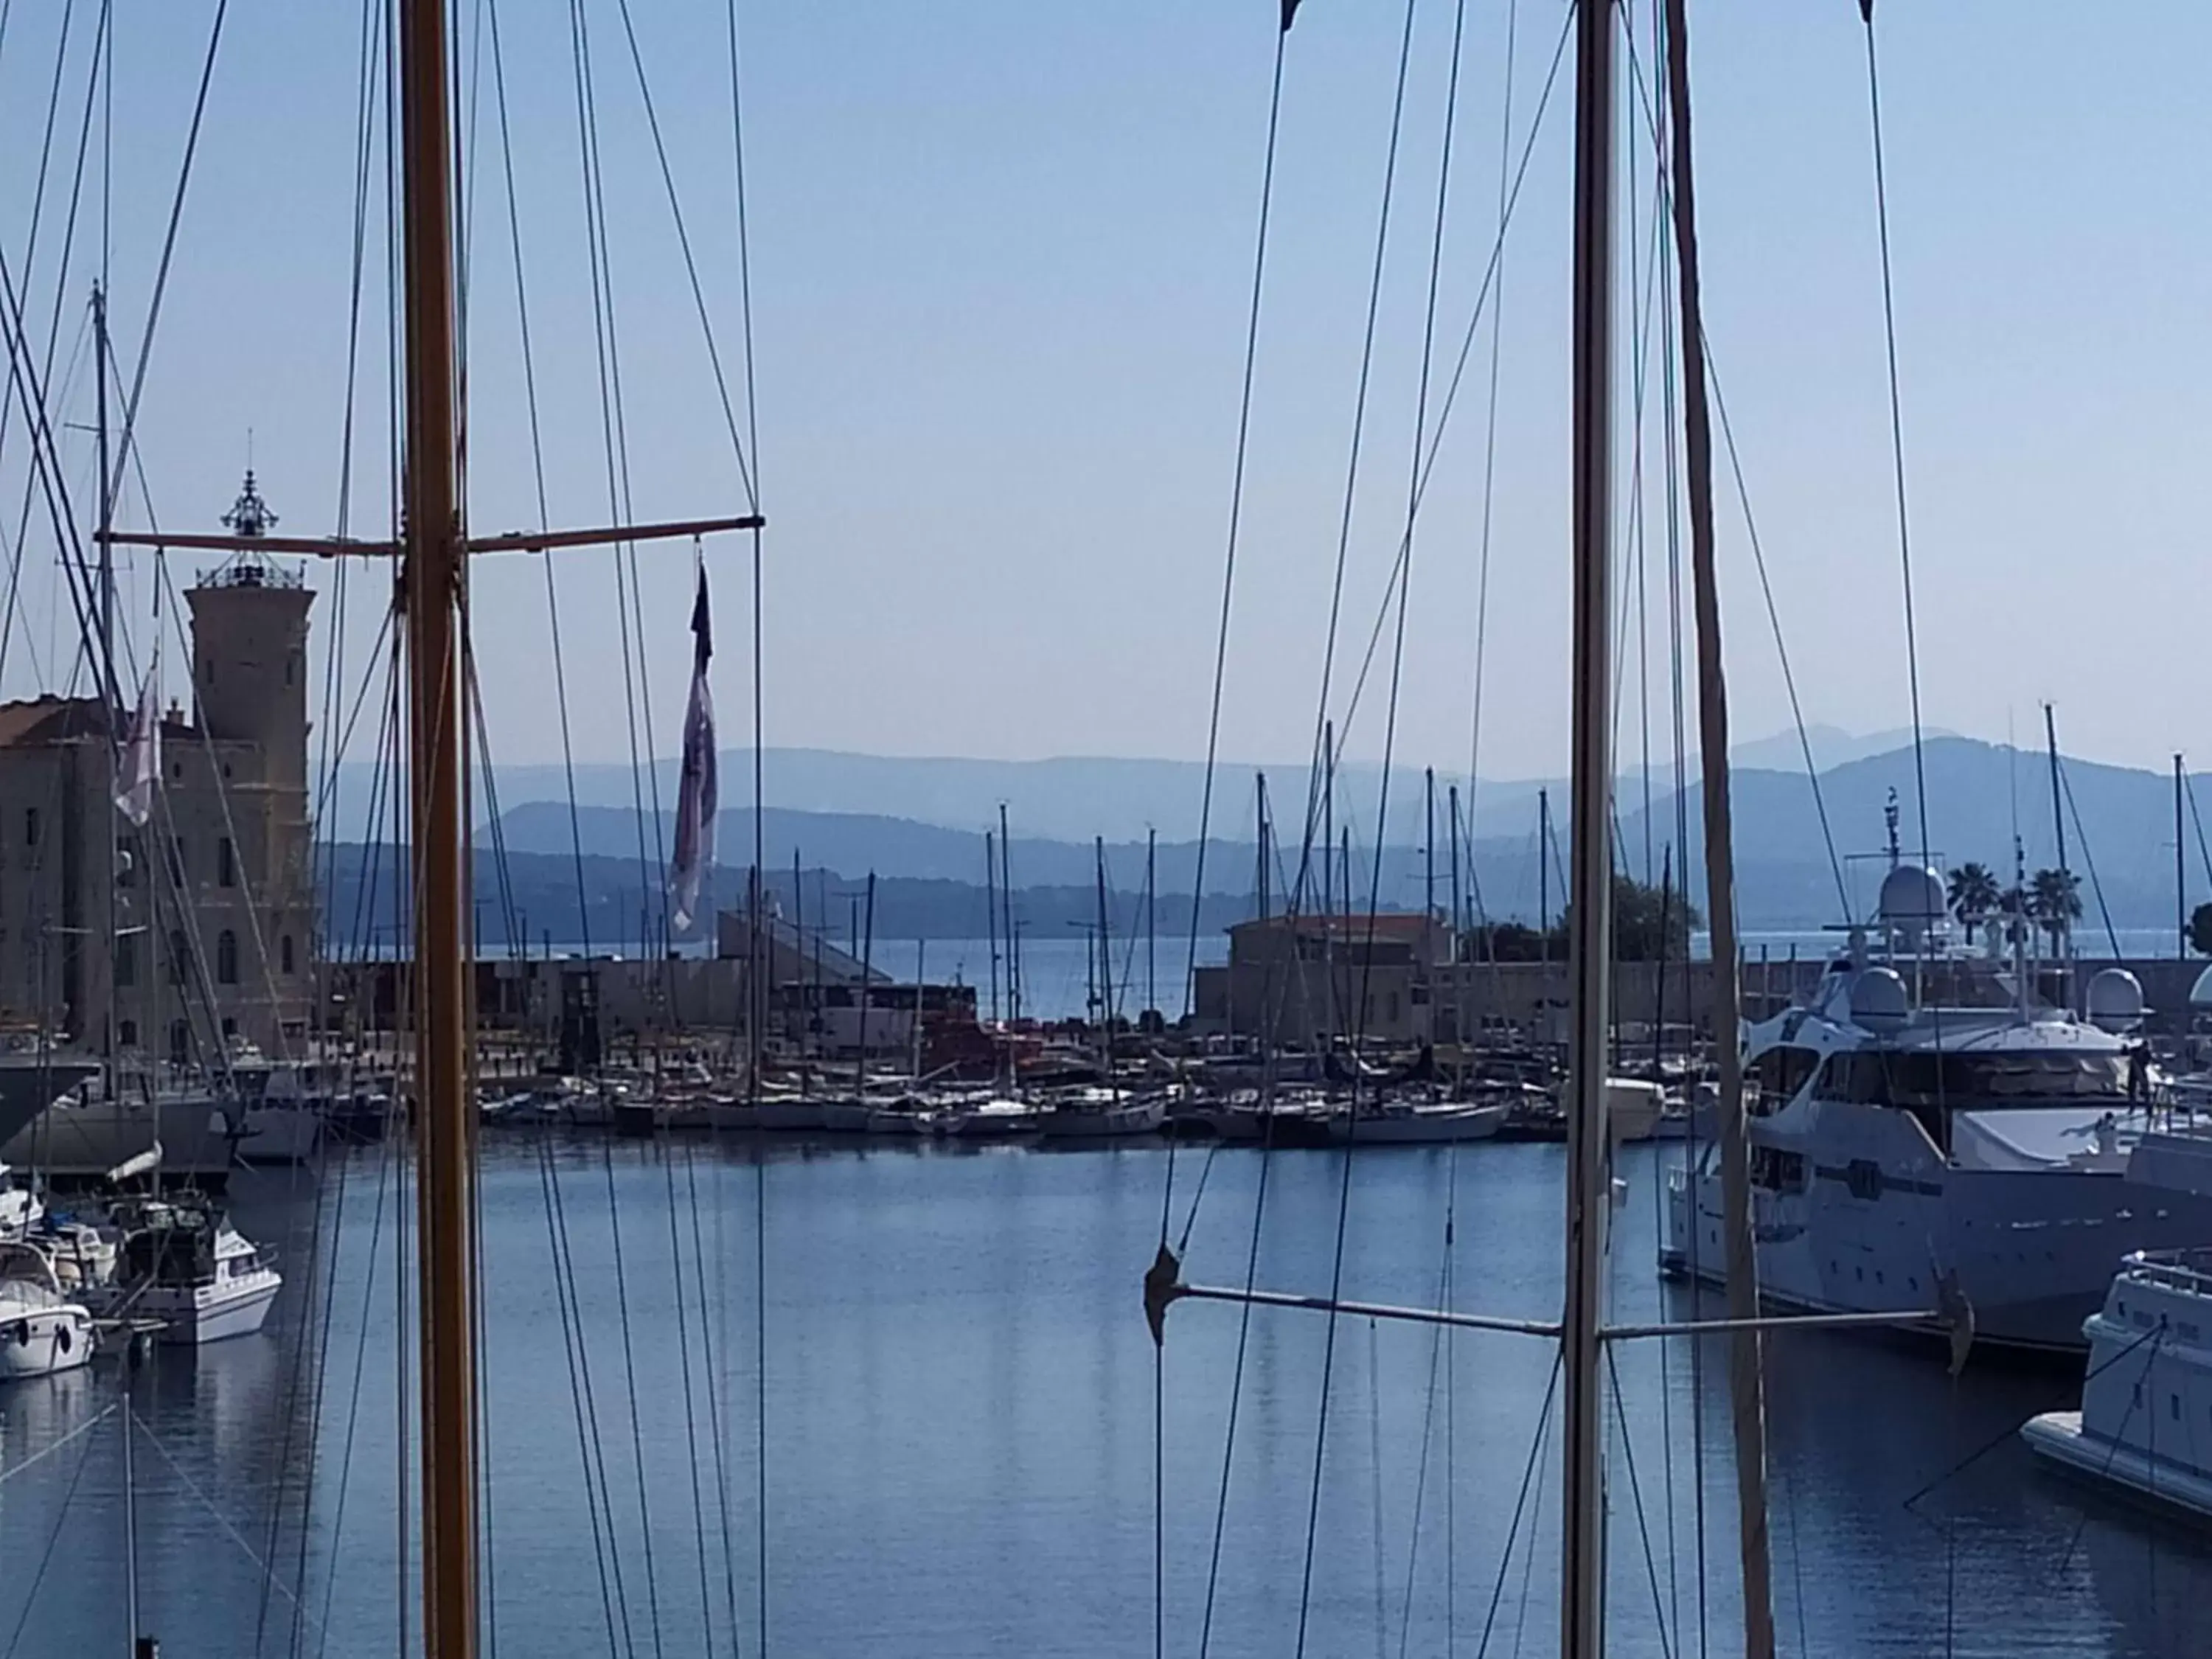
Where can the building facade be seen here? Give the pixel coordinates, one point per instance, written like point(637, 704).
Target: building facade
point(199, 928)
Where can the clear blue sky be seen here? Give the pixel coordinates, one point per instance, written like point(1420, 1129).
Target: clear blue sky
point(1000, 258)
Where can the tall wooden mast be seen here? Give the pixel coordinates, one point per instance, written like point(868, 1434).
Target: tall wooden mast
point(1589, 872)
point(434, 577)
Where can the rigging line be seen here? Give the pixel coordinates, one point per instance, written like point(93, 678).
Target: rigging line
point(1229, 559)
point(690, 263)
point(1636, 1498)
point(54, 1536)
point(1520, 1505)
point(1751, 530)
point(756, 1013)
point(30, 267)
point(713, 1409)
point(591, 1446)
point(611, 426)
point(35, 1458)
point(2089, 861)
point(537, 477)
point(208, 1503)
point(1237, 1385)
point(1317, 771)
point(1896, 430)
point(169, 247)
point(630, 1376)
point(1451, 389)
point(1375, 1488)
point(690, 1415)
point(1198, 881)
point(2203, 850)
point(1428, 1424)
point(1490, 433)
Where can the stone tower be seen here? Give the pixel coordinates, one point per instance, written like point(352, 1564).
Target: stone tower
point(247, 834)
point(250, 651)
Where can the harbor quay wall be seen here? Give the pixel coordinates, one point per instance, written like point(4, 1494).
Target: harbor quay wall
point(1412, 1003)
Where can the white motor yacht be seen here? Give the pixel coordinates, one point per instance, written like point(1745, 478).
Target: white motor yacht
point(42, 1331)
point(2148, 1398)
point(187, 1266)
point(1924, 1115)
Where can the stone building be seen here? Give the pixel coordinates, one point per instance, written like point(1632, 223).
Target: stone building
point(210, 935)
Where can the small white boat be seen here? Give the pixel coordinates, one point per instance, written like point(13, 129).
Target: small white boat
point(1000, 1117)
point(198, 1275)
point(41, 1330)
point(1407, 1124)
point(2149, 1381)
point(1103, 1114)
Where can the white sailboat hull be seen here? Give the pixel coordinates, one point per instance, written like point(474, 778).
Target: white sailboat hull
point(1423, 1126)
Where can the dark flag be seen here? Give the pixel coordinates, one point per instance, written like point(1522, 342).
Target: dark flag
point(695, 793)
point(1291, 11)
point(1866, 10)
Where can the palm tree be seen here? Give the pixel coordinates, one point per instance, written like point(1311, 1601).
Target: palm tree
point(1974, 894)
point(2054, 900)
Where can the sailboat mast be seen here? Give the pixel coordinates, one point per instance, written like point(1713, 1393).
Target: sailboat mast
point(111, 694)
point(2180, 875)
point(1105, 964)
point(433, 577)
point(1006, 898)
point(1745, 1387)
point(1459, 967)
point(1151, 919)
point(991, 915)
point(1581, 1531)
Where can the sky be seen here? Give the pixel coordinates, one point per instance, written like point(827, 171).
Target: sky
point(1001, 258)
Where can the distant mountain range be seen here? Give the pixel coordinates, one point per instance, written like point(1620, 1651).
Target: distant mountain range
point(923, 821)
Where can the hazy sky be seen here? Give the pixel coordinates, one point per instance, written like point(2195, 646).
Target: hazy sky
point(1001, 255)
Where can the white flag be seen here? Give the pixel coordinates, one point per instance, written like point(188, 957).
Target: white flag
point(142, 757)
point(695, 793)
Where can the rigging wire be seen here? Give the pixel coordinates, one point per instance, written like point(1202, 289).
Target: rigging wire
point(1323, 762)
point(1896, 422)
point(1536, 1443)
point(1490, 445)
point(1198, 890)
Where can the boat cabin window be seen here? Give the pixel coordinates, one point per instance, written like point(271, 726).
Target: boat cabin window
point(2020, 1077)
point(1780, 1073)
point(1777, 1170)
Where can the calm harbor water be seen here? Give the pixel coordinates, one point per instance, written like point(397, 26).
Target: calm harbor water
point(960, 1431)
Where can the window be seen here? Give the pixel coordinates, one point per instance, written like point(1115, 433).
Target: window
point(30, 826)
point(126, 961)
point(177, 860)
point(226, 863)
point(225, 958)
point(284, 953)
point(181, 955)
point(126, 866)
point(127, 1033)
point(229, 1028)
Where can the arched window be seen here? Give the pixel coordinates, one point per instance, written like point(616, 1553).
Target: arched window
point(225, 958)
point(126, 1033)
point(126, 961)
point(181, 955)
point(284, 953)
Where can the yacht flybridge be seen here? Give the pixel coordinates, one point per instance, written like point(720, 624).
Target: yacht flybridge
point(1926, 1121)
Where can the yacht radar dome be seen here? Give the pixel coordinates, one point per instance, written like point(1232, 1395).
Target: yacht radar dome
point(1879, 1001)
point(2200, 994)
point(2114, 999)
point(1912, 901)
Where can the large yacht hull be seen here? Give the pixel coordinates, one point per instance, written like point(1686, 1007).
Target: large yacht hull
point(29, 1083)
point(83, 1142)
point(2034, 1250)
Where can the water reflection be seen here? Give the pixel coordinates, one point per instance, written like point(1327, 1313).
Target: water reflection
point(960, 1430)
